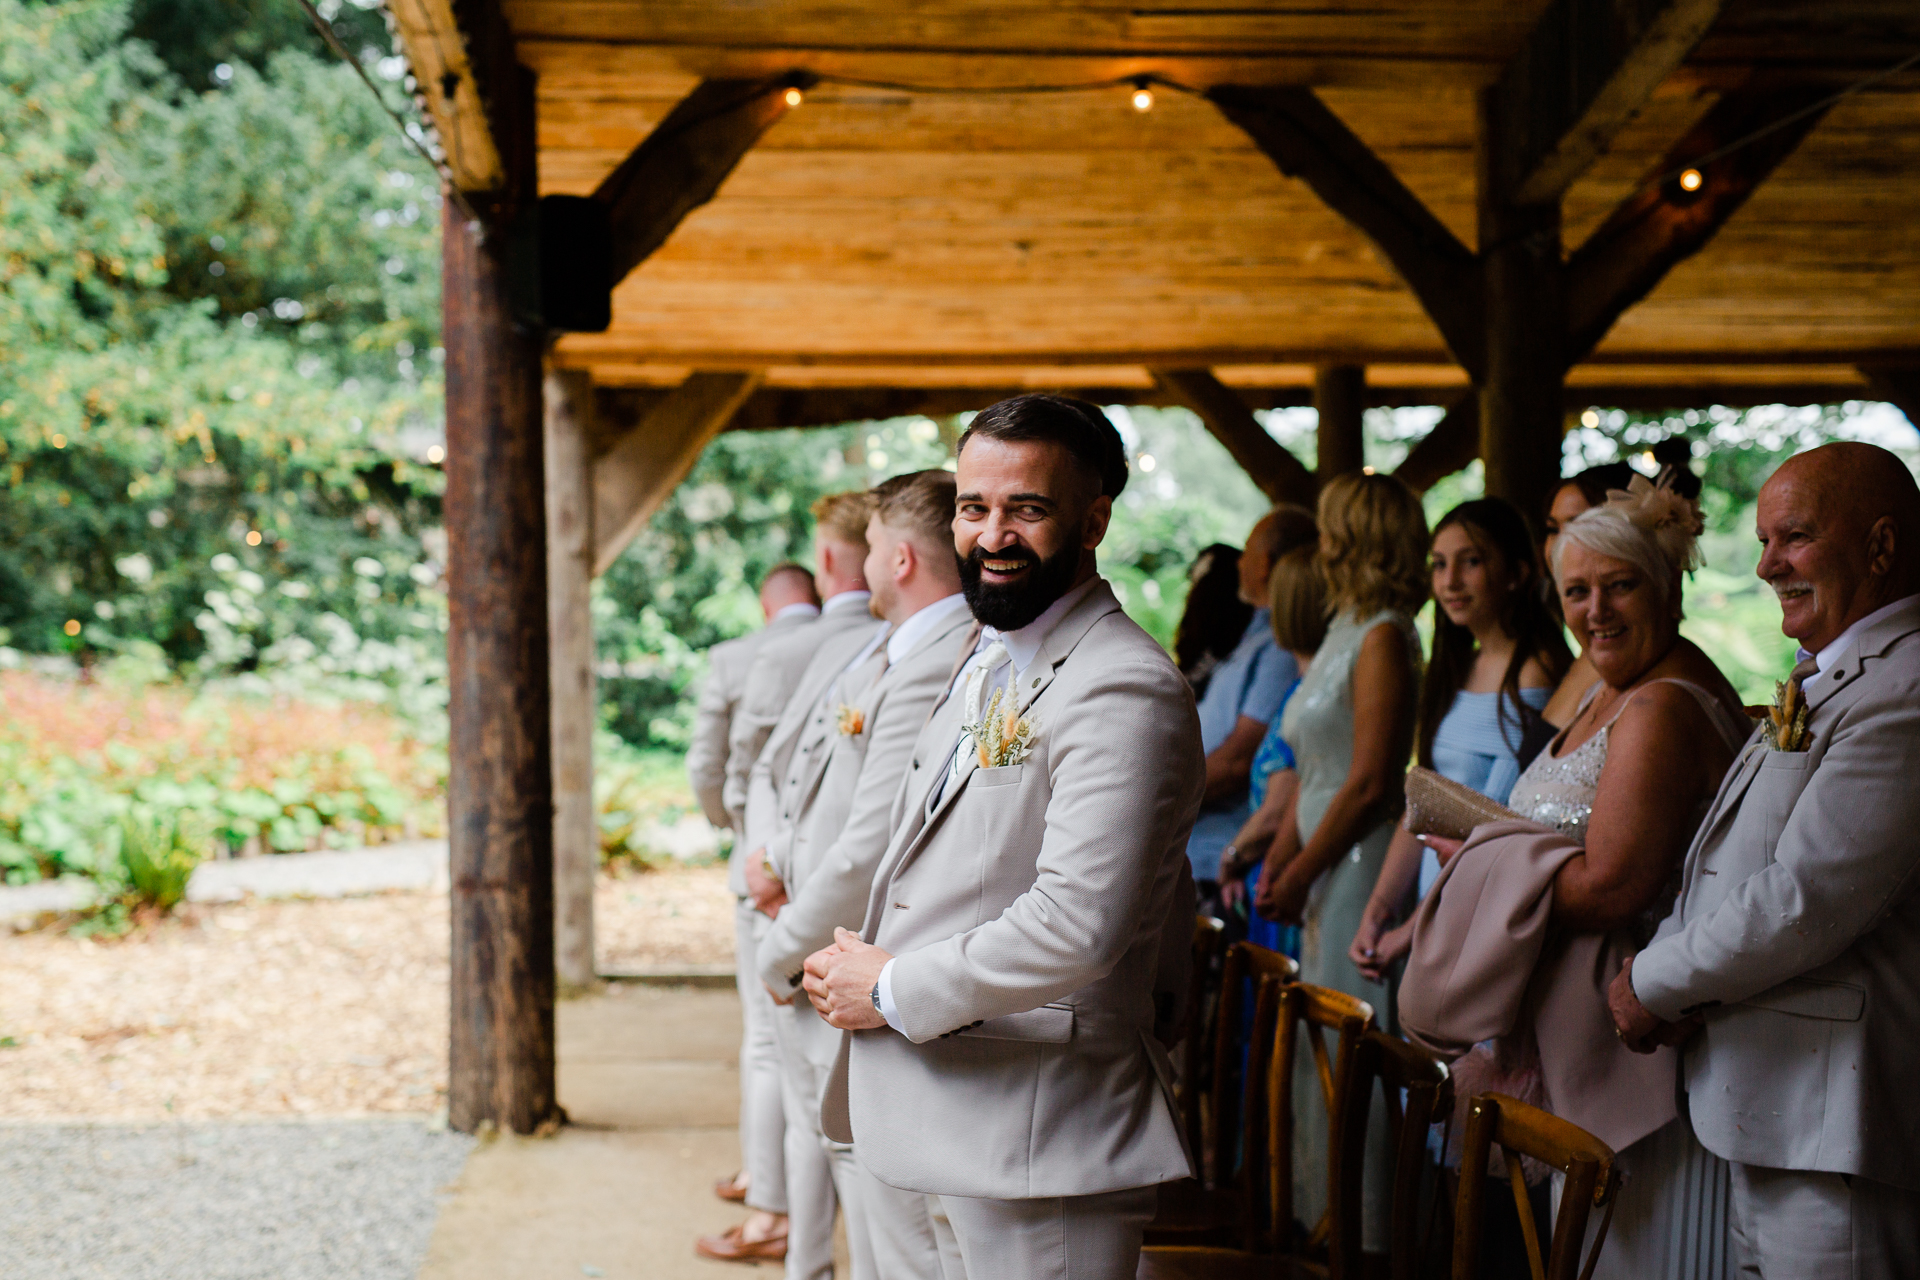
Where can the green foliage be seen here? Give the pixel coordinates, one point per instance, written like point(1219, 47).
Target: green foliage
point(637, 792)
point(159, 850)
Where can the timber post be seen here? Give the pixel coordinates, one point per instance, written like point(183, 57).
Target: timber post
point(500, 783)
point(1525, 316)
point(1340, 399)
point(576, 833)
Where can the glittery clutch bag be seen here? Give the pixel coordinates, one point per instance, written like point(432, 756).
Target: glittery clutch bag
point(1439, 806)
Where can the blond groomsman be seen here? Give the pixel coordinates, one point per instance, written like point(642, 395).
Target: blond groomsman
point(836, 815)
point(1006, 1050)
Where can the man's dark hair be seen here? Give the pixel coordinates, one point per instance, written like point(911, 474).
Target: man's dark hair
point(1076, 426)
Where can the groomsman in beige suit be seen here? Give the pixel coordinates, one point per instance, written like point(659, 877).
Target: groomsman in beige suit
point(840, 552)
point(1005, 993)
point(787, 600)
point(1789, 969)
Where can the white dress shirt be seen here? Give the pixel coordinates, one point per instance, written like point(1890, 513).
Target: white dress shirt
point(1022, 647)
point(799, 609)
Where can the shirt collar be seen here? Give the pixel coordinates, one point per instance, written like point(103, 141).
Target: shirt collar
point(1023, 646)
point(846, 600)
point(796, 610)
point(1837, 649)
point(921, 625)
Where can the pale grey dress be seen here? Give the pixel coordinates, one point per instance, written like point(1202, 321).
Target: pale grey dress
point(1318, 725)
point(1671, 1219)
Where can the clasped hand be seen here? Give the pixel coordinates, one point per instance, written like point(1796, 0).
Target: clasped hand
point(1640, 1029)
point(840, 980)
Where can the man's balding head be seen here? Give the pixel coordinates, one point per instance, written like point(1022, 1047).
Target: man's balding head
point(786, 584)
point(1839, 530)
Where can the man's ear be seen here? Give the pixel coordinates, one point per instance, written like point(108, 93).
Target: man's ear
point(1882, 546)
point(1093, 527)
point(906, 559)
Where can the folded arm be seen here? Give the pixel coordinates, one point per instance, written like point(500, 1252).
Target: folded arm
point(1846, 857)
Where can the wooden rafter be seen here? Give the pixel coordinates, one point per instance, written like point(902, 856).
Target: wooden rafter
point(1280, 475)
point(1587, 67)
point(1309, 142)
point(1453, 443)
point(444, 40)
point(683, 161)
point(1661, 225)
point(638, 473)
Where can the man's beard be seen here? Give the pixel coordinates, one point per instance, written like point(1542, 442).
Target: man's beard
point(1011, 606)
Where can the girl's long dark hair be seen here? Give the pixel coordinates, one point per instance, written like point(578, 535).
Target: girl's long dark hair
point(1492, 524)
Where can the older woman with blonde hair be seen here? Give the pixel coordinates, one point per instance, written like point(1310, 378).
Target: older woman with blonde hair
point(1350, 724)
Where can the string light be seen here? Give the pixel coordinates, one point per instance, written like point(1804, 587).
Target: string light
point(253, 537)
point(792, 96)
point(73, 627)
point(435, 454)
point(1691, 179)
point(1147, 463)
point(1142, 96)
point(1591, 418)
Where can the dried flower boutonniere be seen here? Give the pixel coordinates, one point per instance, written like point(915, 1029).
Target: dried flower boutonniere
point(1787, 718)
point(851, 720)
point(1002, 735)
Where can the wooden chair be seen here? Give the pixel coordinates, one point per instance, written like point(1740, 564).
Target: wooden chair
point(1267, 1234)
point(1216, 1207)
point(1522, 1130)
point(1203, 1007)
point(1418, 1093)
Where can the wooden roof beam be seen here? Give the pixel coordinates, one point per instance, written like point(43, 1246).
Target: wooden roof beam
point(1587, 67)
point(1452, 445)
point(636, 475)
point(461, 52)
point(1309, 142)
point(1280, 475)
point(1663, 225)
point(681, 164)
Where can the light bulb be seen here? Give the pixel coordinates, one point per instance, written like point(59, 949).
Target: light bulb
point(253, 537)
point(1143, 99)
point(435, 454)
point(73, 627)
point(1591, 418)
point(1691, 179)
point(791, 97)
point(1147, 462)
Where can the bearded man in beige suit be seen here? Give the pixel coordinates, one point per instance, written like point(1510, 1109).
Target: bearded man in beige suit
point(835, 809)
point(787, 600)
point(1789, 969)
point(840, 552)
point(1004, 995)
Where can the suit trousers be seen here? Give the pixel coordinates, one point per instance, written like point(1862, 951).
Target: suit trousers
point(1094, 1237)
point(762, 1113)
point(1791, 1224)
point(820, 1174)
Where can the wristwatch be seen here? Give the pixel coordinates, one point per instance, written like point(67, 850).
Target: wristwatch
point(876, 1001)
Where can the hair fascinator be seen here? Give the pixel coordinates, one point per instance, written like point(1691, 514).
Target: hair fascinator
point(1670, 520)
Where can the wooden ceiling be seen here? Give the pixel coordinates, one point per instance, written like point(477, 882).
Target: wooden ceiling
point(883, 236)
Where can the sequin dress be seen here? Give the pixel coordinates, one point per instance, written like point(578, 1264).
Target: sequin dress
point(1671, 1217)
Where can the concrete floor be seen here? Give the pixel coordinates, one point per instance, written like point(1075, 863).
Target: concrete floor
point(650, 1078)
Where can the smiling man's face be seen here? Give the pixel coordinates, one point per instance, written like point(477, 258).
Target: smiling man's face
point(1024, 527)
point(1816, 552)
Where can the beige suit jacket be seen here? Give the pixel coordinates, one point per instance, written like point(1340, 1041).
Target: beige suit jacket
point(1027, 908)
point(842, 824)
point(1797, 932)
point(771, 683)
point(726, 680)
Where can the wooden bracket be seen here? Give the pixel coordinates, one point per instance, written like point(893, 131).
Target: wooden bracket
point(1662, 225)
point(681, 164)
point(1309, 142)
point(1453, 443)
point(636, 475)
point(1587, 67)
point(1280, 475)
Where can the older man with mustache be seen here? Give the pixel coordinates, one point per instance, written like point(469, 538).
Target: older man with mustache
point(1790, 967)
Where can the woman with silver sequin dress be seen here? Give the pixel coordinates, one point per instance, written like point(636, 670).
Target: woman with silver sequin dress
point(1630, 779)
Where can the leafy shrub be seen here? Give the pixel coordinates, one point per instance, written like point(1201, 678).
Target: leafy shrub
point(160, 851)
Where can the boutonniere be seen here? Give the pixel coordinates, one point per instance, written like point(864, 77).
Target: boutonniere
point(1786, 726)
point(851, 720)
point(1002, 736)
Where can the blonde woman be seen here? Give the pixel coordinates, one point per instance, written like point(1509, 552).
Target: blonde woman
point(1350, 725)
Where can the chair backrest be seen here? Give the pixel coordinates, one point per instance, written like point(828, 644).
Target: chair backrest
point(1306, 1013)
point(1521, 1130)
point(1234, 1127)
point(1203, 1010)
point(1418, 1091)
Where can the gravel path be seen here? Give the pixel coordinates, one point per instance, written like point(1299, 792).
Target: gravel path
point(336, 1200)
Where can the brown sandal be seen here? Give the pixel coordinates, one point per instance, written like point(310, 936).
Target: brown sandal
point(730, 1190)
point(733, 1246)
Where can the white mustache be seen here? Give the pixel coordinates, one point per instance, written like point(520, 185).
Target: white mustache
point(1783, 590)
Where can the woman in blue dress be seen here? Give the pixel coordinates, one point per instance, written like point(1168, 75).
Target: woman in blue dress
point(1497, 655)
point(1297, 596)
